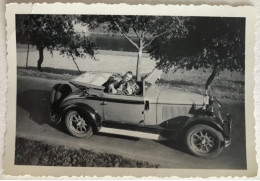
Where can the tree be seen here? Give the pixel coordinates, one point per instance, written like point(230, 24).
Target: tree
point(213, 44)
point(145, 28)
point(52, 32)
point(77, 46)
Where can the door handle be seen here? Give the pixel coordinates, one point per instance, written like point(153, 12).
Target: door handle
point(104, 103)
point(146, 105)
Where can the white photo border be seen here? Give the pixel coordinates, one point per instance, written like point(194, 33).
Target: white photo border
point(120, 9)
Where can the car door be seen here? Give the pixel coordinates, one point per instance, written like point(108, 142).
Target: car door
point(123, 109)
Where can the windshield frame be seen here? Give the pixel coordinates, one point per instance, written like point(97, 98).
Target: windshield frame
point(151, 79)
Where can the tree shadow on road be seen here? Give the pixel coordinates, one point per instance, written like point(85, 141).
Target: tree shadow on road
point(36, 102)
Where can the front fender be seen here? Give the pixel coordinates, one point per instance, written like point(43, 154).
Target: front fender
point(200, 119)
point(96, 119)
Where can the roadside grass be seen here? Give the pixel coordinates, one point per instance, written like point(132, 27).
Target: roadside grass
point(220, 91)
point(228, 85)
point(29, 152)
point(48, 73)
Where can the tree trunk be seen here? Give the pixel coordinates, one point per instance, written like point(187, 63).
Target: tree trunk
point(27, 56)
point(39, 66)
point(76, 65)
point(138, 66)
point(211, 78)
point(139, 61)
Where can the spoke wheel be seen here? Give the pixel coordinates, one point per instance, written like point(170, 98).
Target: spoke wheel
point(204, 141)
point(77, 124)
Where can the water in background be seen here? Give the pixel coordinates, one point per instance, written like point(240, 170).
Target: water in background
point(114, 43)
point(104, 41)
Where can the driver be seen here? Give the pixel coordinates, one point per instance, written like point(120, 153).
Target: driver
point(112, 87)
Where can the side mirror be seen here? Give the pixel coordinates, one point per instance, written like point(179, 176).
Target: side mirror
point(146, 105)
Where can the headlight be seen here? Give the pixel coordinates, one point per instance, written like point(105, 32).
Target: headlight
point(205, 102)
point(210, 108)
point(208, 103)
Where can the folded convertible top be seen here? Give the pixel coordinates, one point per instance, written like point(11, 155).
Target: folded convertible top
point(91, 80)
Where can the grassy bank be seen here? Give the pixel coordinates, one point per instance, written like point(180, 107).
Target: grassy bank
point(226, 86)
point(30, 152)
point(48, 73)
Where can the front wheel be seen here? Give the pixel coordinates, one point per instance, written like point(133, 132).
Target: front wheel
point(78, 124)
point(204, 141)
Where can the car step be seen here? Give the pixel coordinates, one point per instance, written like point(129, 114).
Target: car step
point(137, 134)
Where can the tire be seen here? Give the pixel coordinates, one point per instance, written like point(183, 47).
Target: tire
point(204, 141)
point(78, 124)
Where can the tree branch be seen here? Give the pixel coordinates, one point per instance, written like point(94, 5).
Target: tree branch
point(136, 33)
point(156, 36)
point(135, 29)
point(125, 35)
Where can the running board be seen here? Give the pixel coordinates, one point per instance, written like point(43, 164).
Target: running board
point(137, 134)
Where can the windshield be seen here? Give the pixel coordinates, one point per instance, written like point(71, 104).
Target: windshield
point(153, 76)
point(151, 79)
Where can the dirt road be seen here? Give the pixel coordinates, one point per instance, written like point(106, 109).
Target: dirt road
point(33, 117)
point(105, 60)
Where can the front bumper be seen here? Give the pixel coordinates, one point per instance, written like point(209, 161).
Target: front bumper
point(227, 143)
point(227, 128)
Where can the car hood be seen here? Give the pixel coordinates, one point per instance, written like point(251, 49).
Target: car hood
point(170, 96)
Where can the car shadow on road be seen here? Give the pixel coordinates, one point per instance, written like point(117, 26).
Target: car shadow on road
point(178, 145)
point(36, 102)
point(118, 136)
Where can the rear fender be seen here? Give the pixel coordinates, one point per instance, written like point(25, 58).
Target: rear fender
point(58, 93)
point(201, 119)
point(85, 109)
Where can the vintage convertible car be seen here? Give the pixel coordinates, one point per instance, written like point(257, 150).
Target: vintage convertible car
point(156, 113)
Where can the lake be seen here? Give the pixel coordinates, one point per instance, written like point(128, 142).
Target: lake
point(114, 43)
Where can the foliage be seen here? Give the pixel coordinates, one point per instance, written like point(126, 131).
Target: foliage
point(145, 28)
point(29, 152)
point(212, 44)
point(53, 32)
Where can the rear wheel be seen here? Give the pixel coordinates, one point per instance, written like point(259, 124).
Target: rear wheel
point(204, 141)
point(78, 124)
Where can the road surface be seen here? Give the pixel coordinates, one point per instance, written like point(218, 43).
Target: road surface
point(33, 117)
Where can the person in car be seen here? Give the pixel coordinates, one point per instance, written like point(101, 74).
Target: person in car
point(114, 79)
point(129, 88)
point(114, 85)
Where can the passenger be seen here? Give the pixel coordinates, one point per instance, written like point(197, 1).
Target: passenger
point(137, 90)
point(114, 79)
point(127, 77)
point(112, 87)
point(130, 88)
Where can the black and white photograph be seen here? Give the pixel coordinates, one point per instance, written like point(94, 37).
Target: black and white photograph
point(131, 91)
